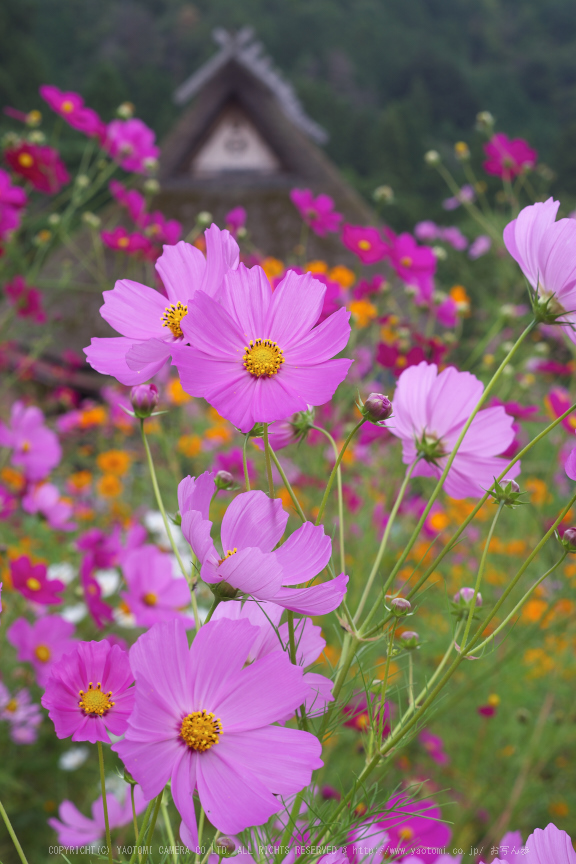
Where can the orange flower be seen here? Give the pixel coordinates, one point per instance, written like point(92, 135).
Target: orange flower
point(272, 268)
point(109, 486)
point(95, 416)
point(316, 267)
point(538, 490)
point(175, 393)
point(114, 462)
point(14, 479)
point(343, 275)
point(363, 312)
point(461, 298)
point(219, 433)
point(534, 610)
point(80, 480)
point(190, 445)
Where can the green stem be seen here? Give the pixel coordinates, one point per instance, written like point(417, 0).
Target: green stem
point(162, 509)
point(104, 801)
point(138, 834)
point(346, 657)
point(287, 484)
point(471, 208)
point(416, 533)
point(12, 834)
point(336, 464)
point(481, 345)
point(384, 541)
point(215, 604)
point(480, 575)
point(291, 639)
point(340, 497)
point(245, 463)
point(152, 825)
point(200, 833)
point(169, 831)
point(134, 818)
point(268, 462)
point(385, 685)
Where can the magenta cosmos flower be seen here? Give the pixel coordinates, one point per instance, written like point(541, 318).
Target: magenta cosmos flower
point(153, 592)
point(89, 693)
point(430, 411)
point(35, 448)
point(42, 644)
point(318, 213)
point(32, 581)
point(39, 164)
point(508, 158)
point(203, 719)
point(131, 143)
point(252, 527)
point(544, 249)
point(70, 106)
point(366, 243)
point(75, 829)
point(256, 355)
point(26, 301)
point(150, 323)
point(414, 264)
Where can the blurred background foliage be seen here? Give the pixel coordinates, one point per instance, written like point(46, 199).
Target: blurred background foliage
point(388, 79)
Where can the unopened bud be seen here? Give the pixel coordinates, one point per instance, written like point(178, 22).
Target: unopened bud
point(465, 596)
point(144, 399)
point(409, 639)
point(224, 591)
point(33, 118)
point(225, 847)
point(461, 150)
point(54, 219)
point(432, 157)
point(37, 137)
point(129, 779)
point(399, 606)
point(224, 480)
point(91, 219)
point(152, 186)
point(377, 408)
point(383, 194)
point(484, 120)
point(125, 110)
point(569, 539)
point(439, 253)
point(82, 181)
point(204, 218)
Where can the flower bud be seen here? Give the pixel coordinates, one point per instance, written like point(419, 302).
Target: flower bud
point(484, 121)
point(224, 480)
point(225, 847)
point(377, 408)
point(465, 596)
point(129, 779)
point(54, 219)
point(144, 399)
point(439, 253)
point(204, 218)
point(91, 219)
point(461, 150)
point(569, 539)
point(125, 110)
point(82, 181)
point(432, 157)
point(383, 194)
point(408, 639)
point(224, 591)
point(151, 186)
point(33, 118)
point(37, 137)
point(399, 606)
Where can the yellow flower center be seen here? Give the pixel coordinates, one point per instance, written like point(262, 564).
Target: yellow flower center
point(42, 653)
point(67, 106)
point(172, 317)
point(94, 702)
point(33, 584)
point(262, 358)
point(25, 447)
point(11, 706)
point(150, 599)
point(228, 554)
point(406, 834)
point(200, 730)
point(123, 242)
point(406, 261)
point(364, 244)
point(25, 160)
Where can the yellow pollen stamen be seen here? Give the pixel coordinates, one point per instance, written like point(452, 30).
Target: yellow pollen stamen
point(406, 833)
point(67, 106)
point(263, 358)
point(364, 244)
point(25, 160)
point(201, 730)
point(123, 242)
point(42, 653)
point(172, 317)
point(228, 554)
point(406, 261)
point(25, 447)
point(150, 599)
point(94, 702)
point(11, 706)
point(33, 584)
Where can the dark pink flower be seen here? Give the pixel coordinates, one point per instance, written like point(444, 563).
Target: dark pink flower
point(256, 356)
point(150, 323)
point(27, 301)
point(35, 448)
point(360, 715)
point(235, 220)
point(486, 710)
point(414, 264)
point(122, 241)
point(233, 462)
point(252, 527)
point(153, 593)
point(32, 581)
point(12, 201)
point(131, 144)
point(162, 231)
point(89, 693)
point(213, 732)
point(447, 312)
point(434, 746)
point(132, 200)
point(39, 164)
point(366, 243)
point(508, 158)
point(366, 288)
point(318, 213)
point(71, 107)
point(42, 644)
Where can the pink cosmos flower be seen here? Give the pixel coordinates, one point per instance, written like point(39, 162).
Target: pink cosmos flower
point(71, 107)
point(454, 237)
point(235, 220)
point(122, 241)
point(318, 213)
point(27, 301)
point(544, 250)
point(35, 448)
point(151, 326)
point(366, 243)
point(42, 644)
point(39, 164)
point(153, 592)
point(557, 401)
point(23, 715)
point(161, 230)
point(75, 829)
point(508, 158)
point(256, 355)
point(466, 194)
point(479, 247)
point(88, 693)
point(31, 580)
point(548, 846)
point(414, 264)
point(406, 825)
point(99, 610)
point(132, 200)
point(131, 144)
point(251, 528)
point(44, 498)
point(307, 637)
point(12, 201)
point(430, 410)
point(434, 746)
point(447, 312)
point(213, 732)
